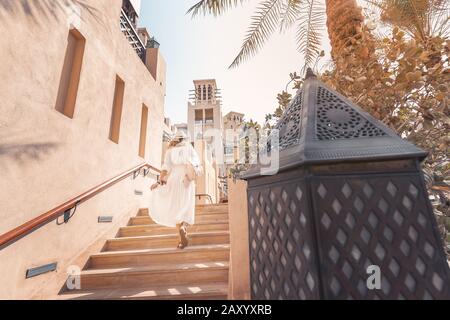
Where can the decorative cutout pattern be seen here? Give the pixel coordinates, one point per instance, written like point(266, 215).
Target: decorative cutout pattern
point(289, 124)
point(361, 221)
point(381, 222)
point(282, 262)
point(338, 120)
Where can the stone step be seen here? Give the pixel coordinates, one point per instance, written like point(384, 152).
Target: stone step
point(212, 209)
point(148, 230)
point(144, 263)
point(164, 241)
point(200, 210)
point(167, 274)
point(214, 217)
point(223, 206)
point(143, 213)
point(195, 291)
point(140, 220)
point(134, 258)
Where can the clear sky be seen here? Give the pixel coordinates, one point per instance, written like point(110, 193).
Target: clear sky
point(203, 48)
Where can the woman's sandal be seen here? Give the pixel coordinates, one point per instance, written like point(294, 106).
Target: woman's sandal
point(184, 238)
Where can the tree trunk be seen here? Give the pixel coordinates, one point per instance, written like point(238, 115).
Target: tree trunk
point(345, 23)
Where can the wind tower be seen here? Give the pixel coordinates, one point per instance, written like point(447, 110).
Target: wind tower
point(205, 128)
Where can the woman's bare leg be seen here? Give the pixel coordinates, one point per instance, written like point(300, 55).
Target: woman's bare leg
point(182, 232)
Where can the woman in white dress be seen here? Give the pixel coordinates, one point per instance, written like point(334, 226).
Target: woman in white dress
point(172, 202)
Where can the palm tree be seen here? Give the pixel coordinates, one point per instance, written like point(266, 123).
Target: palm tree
point(345, 21)
point(420, 19)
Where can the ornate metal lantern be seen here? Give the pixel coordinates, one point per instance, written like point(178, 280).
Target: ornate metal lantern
point(350, 194)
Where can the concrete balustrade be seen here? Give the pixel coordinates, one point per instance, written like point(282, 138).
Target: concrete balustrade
point(239, 276)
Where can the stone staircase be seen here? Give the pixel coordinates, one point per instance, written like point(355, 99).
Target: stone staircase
point(142, 262)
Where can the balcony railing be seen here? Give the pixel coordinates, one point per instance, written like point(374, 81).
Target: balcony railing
point(132, 36)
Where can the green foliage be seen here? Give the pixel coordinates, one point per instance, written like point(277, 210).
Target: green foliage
point(284, 99)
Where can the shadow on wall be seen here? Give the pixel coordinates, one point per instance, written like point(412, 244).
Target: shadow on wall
point(50, 9)
point(23, 152)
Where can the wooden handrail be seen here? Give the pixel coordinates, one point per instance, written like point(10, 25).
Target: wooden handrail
point(28, 227)
point(441, 188)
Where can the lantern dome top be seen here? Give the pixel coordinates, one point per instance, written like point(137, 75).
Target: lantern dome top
point(322, 126)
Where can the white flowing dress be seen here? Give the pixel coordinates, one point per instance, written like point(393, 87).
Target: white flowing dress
point(174, 202)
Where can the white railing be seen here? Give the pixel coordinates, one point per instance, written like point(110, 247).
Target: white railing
point(132, 36)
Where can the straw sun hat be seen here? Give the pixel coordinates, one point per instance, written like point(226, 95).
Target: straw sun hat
point(180, 136)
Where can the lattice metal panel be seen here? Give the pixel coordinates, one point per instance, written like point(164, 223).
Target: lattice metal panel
point(380, 221)
point(337, 120)
point(289, 124)
point(282, 261)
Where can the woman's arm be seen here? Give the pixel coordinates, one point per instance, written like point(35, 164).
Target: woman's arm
point(162, 180)
point(167, 166)
point(164, 176)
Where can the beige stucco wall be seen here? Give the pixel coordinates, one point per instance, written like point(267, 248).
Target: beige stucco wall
point(239, 275)
point(156, 64)
point(47, 158)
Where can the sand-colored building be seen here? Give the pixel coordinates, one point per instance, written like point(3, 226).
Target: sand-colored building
point(204, 110)
point(221, 134)
point(233, 121)
point(82, 100)
point(182, 127)
point(205, 128)
point(207, 184)
point(233, 127)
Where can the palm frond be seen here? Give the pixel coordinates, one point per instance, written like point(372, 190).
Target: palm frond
point(309, 33)
point(419, 18)
point(214, 7)
point(290, 13)
point(440, 18)
point(263, 24)
point(402, 13)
